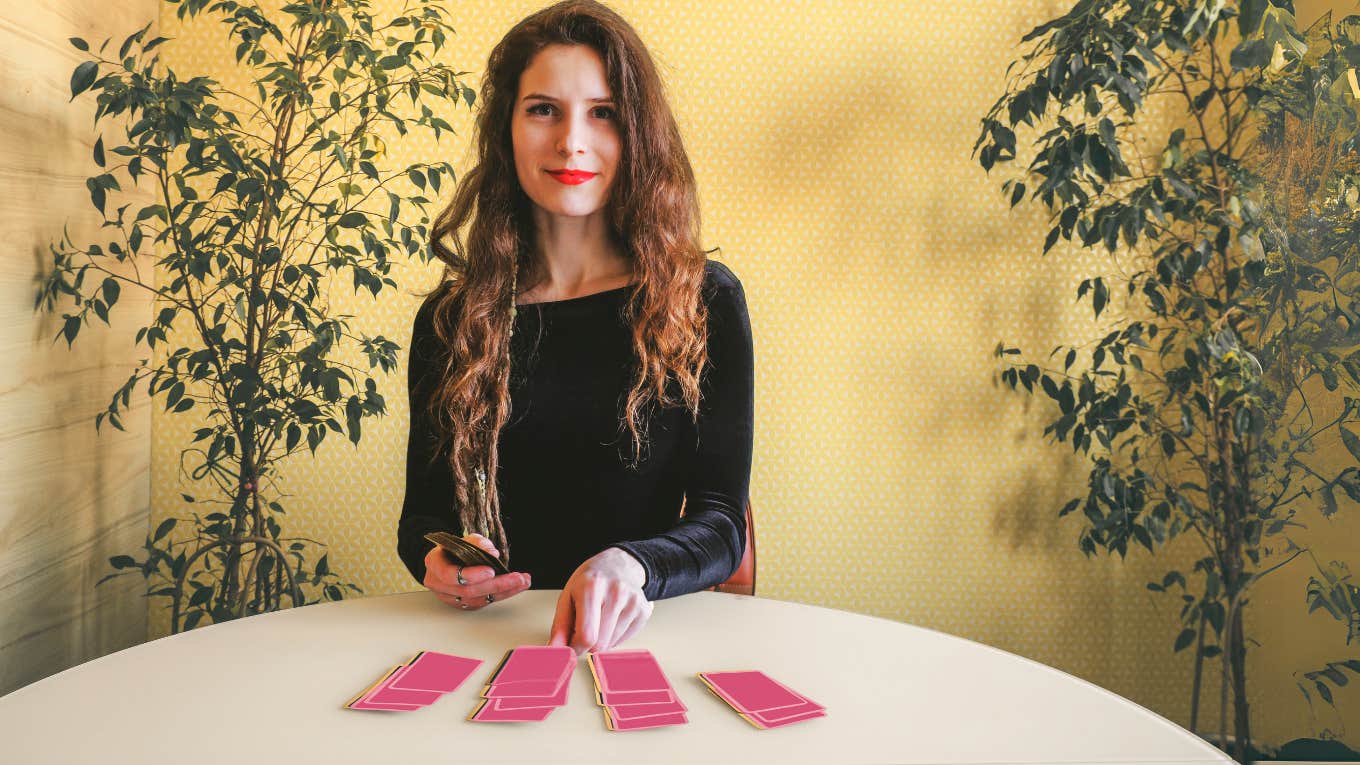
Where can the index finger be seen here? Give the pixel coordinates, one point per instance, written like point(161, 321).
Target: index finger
point(587, 623)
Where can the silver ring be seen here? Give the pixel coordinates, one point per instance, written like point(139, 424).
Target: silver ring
point(461, 580)
point(490, 598)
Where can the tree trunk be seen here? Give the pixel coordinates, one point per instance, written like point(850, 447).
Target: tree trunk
point(1199, 673)
point(1238, 653)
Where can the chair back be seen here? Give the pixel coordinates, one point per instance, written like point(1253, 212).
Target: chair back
point(743, 580)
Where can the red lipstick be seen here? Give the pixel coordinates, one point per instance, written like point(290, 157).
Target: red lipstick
point(572, 177)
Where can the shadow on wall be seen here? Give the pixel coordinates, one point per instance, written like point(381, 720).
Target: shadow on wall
point(74, 497)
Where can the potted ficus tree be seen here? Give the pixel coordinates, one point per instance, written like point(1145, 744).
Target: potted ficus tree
point(1234, 354)
point(260, 197)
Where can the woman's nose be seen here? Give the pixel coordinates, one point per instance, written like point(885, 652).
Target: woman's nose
point(572, 139)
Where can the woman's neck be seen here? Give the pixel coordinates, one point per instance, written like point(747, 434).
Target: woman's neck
point(576, 256)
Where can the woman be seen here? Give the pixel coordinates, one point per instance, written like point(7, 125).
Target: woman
point(582, 349)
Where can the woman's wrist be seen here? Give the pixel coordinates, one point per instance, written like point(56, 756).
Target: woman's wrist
point(633, 570)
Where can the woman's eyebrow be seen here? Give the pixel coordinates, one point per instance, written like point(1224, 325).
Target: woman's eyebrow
point(542, 97)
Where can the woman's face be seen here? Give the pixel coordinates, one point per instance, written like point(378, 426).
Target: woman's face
point(564, 120)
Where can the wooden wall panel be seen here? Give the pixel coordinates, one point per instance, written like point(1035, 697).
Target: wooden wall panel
point(69, 499)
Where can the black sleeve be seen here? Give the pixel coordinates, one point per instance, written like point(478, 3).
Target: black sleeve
point(707, 544)
point(428, 505)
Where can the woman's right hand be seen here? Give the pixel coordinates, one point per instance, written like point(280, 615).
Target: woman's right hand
point(483, 586)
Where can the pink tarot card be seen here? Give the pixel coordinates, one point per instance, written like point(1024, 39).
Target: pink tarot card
point(754, 691)
point(762, 722)
point(628, 698)
point(386, 694)
point(361, 704)
point(629, 670)
point(530, 691)
point(532, 670)
point(647, 722)
point(433, 671)
point(771, 717)
point(376, 696)
point(621, 712)
point(630, 677)
point(506, 703)
point(487, 712)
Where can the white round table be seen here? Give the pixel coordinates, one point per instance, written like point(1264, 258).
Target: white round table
point(270, 689)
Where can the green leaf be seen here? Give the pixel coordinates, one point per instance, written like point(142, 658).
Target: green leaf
point(83, 77)
point(70, 329)
point(122, 561)
point(1249, 15)
point(353, 411)
point(111, 290)
point(79, 44)
point(1335, 675)
point(1323, 691)
point(99, 151)
point(201, 597)
point(163, 529)
point(352, 220)
point(1352, 442)
point(1051, 239)
point(323, 566)
point(1184, 639)
point(97, 194)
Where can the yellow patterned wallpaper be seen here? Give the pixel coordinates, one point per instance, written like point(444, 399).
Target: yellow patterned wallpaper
point(891, 477)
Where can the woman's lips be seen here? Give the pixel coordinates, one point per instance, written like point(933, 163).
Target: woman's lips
point(572, 177)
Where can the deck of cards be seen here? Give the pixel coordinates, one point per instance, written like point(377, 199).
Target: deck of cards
point(464, 552)
point(760, 700)
point(634, 691)
point(417, 683)
point(530, 683)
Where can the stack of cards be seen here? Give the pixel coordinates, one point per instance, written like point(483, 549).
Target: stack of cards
point(529, 684)
point(760, 700)
point(417, 683)
point(634, 691)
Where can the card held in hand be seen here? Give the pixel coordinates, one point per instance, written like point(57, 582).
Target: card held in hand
point(464, 552)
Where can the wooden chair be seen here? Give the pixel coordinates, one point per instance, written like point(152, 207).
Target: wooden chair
point(743, 580)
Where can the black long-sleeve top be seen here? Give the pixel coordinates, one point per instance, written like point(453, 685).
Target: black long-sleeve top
point(566, 490)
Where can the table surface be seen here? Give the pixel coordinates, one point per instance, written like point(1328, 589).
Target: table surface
point(271, 688)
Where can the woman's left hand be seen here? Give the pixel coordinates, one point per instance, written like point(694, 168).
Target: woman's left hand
point(602, 604)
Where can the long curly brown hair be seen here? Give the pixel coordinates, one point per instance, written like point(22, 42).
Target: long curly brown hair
point(653, 214)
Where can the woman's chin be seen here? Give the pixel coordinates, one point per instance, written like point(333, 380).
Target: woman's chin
point(571, 208)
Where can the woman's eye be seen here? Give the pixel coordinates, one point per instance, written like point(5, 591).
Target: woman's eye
point(545, 109)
